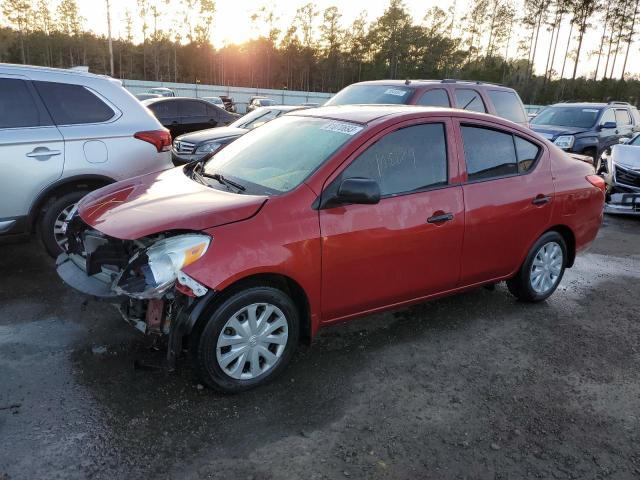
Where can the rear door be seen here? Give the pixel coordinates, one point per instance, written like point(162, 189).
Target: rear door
point(508, 195)
point(408, 245)
point(167, 113)
point(31, 148)
point(193, 116)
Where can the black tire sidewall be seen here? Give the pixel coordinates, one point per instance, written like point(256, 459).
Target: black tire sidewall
point(51, 214)
point(525, 277)
point(205, 343)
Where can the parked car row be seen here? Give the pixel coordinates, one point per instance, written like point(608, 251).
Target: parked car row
point(306, 217)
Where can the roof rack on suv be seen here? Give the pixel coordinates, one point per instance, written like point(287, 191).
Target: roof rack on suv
point(618, 103)
point(477, 82)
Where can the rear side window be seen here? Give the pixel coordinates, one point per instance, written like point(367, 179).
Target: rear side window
point(488, 153)
point(407, 160)
point(435, 98)
point(17, 107)
point(73, 104)
point(622, 117)
point(468, 99)
point(213, 112)
point(507, 105)
point(527, 153)
point(164, 109)
point(190, 108)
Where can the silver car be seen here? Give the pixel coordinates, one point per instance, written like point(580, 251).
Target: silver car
point(64, 133)
point(620, 168)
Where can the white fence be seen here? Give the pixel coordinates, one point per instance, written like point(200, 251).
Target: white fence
point(240, 95)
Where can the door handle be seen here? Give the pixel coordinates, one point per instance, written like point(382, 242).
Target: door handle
point(440, 218)
point(541, 199)
point(39, 152)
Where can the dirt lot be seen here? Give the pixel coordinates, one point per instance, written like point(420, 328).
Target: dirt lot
point(473, 386)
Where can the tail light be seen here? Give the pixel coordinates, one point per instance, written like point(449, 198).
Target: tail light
point(161, 139)
point(597, 181)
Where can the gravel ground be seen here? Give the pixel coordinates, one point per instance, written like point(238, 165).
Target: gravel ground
point(473, 386)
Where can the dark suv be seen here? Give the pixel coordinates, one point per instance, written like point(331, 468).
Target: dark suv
point(587, 128)
point(475, 96)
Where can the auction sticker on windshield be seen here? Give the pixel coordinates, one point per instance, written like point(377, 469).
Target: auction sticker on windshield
point(395, 91)
point(342, 127)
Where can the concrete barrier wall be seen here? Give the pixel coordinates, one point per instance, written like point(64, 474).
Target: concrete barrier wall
point(240, 95)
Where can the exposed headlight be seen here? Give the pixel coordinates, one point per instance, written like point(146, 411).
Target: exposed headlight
point(565, 141)
point(208, 147)
point(153, 270)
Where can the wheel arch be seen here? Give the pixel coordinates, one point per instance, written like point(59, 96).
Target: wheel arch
point(282, 282)
point(569, 239)
point(62, 187)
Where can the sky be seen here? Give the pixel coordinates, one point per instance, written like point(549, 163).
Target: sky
point(232, 25)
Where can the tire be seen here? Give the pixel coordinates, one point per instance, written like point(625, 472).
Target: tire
point(529, 287)
point(52, 215)
point(228, 371)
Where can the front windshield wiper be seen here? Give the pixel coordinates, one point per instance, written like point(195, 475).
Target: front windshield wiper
point(223, 180)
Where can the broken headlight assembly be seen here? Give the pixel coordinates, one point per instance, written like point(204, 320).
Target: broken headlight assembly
point(153, 270)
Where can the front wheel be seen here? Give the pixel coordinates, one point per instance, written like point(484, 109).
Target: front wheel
point(542, 270)
point(247, 340)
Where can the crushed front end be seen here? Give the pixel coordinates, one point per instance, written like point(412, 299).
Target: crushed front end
point(143, 277)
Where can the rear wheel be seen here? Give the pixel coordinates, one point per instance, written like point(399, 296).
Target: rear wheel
point(51, 224)
point(542, 270)
point(247, 340)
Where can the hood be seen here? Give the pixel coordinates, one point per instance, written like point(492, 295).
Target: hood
point(551, 132)
point(211, 134)
point(627, 156)
point(161, 201)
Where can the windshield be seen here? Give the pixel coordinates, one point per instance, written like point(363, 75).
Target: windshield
point(567, 117)
point(256, 118)
point(371, 94)
point(280, 155)
point(635, 140)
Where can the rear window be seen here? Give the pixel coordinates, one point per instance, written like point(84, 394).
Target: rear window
point(468, 99)
point(17, 107)
point(507, 105)
point(371, 94)
point(73, 104)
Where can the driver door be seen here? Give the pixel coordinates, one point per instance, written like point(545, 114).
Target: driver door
point(408, 245)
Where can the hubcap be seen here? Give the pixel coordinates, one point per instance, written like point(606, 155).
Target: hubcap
point(252, 341)
point(60, 229)
point(546, 268)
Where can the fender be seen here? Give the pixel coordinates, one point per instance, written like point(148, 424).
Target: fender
point(77, 180)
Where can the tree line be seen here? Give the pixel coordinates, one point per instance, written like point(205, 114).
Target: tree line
point(317, 53)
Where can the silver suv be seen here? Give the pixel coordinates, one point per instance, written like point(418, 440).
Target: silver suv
point(64, 133)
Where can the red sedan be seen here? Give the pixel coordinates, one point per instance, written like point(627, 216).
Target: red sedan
point(325, 215)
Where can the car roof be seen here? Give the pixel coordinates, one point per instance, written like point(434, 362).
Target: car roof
point(584, 105)
point(427, 82)
point(365, 114)
point(171, 99)
point(27, 69)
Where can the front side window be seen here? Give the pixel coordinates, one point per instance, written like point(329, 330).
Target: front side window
point(622, 117)
point(17, 107)
point(280, 155)
point(488, 153)
point(580, 117)
point(436, 97)
point(71, 104)
point(406, 160)
point(507, 105)
point(371, 94)
point(468, 99)
point(608, 116)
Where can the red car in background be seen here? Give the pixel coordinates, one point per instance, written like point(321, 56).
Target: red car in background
point(328, 214)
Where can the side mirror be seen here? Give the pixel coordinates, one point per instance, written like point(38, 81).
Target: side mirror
point(624, 140)
point(359, 191)
point(606, 125)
